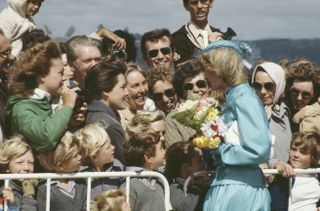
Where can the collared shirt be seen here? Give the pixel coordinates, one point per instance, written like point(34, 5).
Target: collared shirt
point(39, 94)
point(197, 32)
point(69, 191)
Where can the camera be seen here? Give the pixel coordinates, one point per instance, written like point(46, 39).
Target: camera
point(81, 94)
point(120, 54)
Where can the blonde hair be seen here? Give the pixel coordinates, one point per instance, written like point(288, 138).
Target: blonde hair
point(91, 139)
point(66, 149)
point(111, 200)
point(12, 148)
point(141, 122)
point(227, 63)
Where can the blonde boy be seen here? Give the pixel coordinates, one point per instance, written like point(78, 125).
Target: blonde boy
point(98, 156)
point(65, 194)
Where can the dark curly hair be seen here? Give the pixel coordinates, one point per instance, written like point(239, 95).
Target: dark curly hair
point(34, 62)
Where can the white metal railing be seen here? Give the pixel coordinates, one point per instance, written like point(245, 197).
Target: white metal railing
point(88, 176)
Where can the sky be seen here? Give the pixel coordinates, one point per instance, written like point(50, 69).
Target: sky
point(251, 19)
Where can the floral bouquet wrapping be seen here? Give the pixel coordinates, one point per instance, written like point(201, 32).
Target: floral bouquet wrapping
point(203, 116)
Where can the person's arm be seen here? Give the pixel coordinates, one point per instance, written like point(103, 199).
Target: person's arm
point(119, 42)
point(253, 133)
point(42, 131)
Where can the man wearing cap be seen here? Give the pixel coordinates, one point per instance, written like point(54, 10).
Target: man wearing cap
point(196, 34)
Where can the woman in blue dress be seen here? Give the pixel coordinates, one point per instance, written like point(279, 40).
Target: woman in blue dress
point(239, 182)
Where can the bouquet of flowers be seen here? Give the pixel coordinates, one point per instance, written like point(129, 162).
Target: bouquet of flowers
point(203, 116)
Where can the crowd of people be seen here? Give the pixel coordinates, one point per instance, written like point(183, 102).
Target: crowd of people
point(86, 106)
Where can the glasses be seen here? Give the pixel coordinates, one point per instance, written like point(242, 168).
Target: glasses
point(305, 95)
point(153, 53)
point(200, 84)
point(269, 86)
point(159, 95)
point(4, 54)
point(196, 2)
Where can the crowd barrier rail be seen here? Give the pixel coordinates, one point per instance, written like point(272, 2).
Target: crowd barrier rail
point(90, 175)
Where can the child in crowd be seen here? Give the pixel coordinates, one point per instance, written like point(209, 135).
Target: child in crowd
point(145, 152)
point(183, 159)
point(111, 200)
point(98, 156)
point(65, 194)
point(36, 78)
point(304, 190)
point(17, 19)
point(16, 157)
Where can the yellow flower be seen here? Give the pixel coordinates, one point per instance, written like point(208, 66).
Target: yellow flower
point(212, 114)
point(206, 142)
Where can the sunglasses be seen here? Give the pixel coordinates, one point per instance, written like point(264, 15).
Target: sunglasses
point(269, 86)
point(305, 95)
point(4, 54)
point(159, 95)
point(200, 84)
point(154, 53)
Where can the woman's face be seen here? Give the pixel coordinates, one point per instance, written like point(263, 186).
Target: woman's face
point(137, 88)
point(116, 97)
point(68, 72)
point(53, 81)
point(215, 81)
point(264, 87)
point(22, 164)
point(301, 93)
point(159, 127)
point(198, 85)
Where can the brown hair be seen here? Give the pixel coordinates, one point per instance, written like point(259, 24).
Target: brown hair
point(111, 200)
point(138, 146)
point(160, 73)
point(102, 77)
point(177, 154)
point(154, 36)
point(310, 143)
point(33, 63)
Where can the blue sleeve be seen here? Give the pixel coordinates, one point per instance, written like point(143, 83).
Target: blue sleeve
point(255, 140)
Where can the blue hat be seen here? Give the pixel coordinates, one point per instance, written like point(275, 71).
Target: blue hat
point(224, 43)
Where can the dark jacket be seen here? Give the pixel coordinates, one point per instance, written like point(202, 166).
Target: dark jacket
point(98, 112)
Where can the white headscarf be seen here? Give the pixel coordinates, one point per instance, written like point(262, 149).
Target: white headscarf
point(277, 74)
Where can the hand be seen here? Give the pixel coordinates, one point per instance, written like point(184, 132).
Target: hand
point(69, 96)
point(8, 195)
point(285, 169)
point(28, 186)
point(215, 36)
point(263, 166)
point(305, 112)
point(78, 116)
point(119, 42)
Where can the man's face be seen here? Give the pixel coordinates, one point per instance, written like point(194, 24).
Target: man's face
point(88, 56)
point(159, 52)
point(199, 10)
point(5, 50)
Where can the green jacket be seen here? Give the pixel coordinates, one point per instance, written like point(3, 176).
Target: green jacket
point(35, 120)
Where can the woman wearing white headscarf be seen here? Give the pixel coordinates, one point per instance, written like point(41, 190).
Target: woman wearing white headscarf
point(268, 80)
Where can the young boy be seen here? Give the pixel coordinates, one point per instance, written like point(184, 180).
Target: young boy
point(98, 156)
point(145, 151)
point(65, 194)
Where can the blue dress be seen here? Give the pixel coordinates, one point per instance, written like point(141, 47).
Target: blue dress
point(239, 182)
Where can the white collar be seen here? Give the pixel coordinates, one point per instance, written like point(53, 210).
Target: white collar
point(196, 30)
point(39, 94)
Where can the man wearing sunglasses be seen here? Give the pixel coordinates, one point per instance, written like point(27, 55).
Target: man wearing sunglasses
point(156, 48)
point(196, 34)
point(161, 89)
